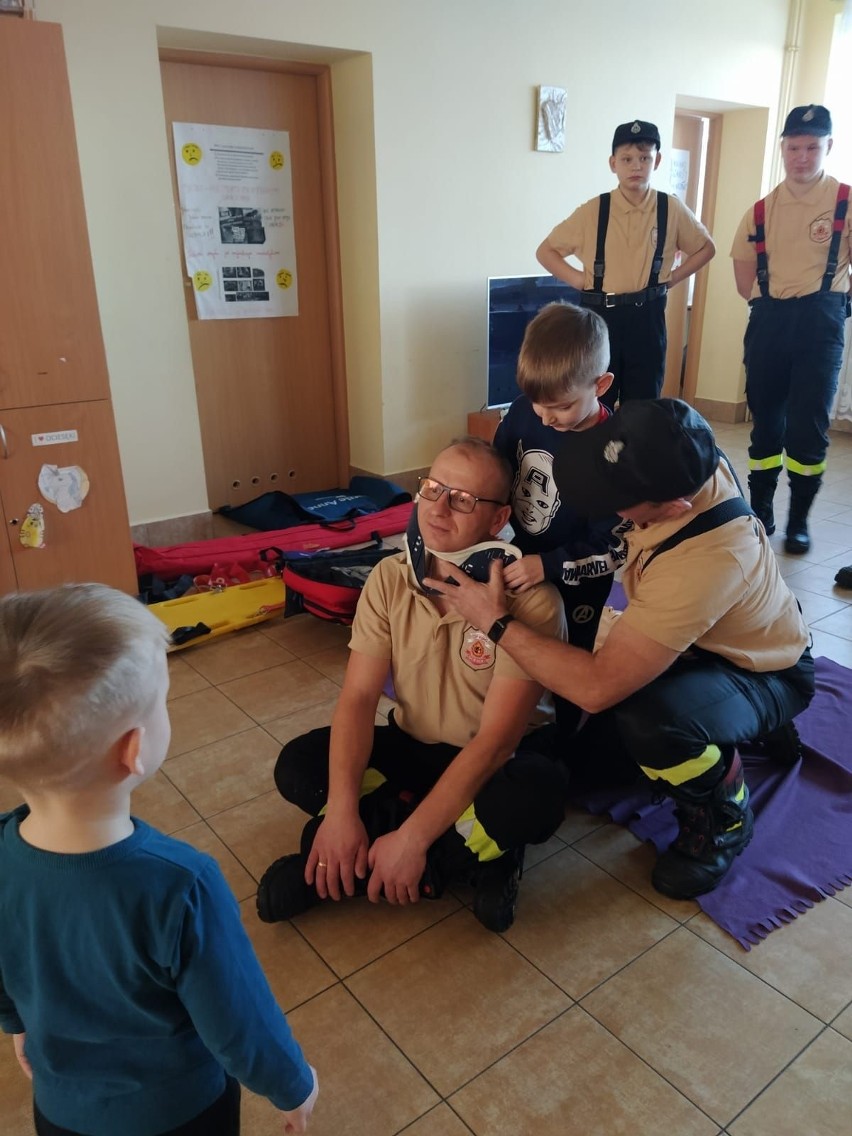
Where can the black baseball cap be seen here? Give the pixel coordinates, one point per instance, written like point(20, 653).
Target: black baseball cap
point(811, 119)
point(649, 450)
point(635, 131)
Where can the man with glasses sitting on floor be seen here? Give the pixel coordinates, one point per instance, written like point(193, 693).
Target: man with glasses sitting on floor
point(440, 791)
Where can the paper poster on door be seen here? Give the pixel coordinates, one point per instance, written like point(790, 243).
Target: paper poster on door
point(65, 486)
point(236, 200)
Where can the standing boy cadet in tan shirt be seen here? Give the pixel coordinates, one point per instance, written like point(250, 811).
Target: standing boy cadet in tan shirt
point(791, 256)
point(627, 241)
point(439, 789)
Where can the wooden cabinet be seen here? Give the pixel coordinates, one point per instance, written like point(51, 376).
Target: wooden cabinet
point(53, 375)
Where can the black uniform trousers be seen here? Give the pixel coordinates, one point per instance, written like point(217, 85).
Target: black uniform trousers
point(793, 352)
point(523, 803)
point(701, 700)
point(637, 345)
point(222, 1118)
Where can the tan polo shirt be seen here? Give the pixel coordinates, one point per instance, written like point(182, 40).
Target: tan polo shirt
point(798, 231)
point(442, 666)
point(631, 238)
point(720, 590)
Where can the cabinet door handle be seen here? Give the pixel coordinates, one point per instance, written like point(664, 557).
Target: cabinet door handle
point(3, 442)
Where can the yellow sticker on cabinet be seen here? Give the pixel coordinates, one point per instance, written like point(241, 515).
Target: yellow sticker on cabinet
point(202, 281)
point(276, 160)
point(283, 278)
point(31, 533)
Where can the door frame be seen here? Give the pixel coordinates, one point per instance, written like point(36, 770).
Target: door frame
point(328, 206)
point(708, 212)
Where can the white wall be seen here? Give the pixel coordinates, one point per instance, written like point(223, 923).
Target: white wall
point(459, 192)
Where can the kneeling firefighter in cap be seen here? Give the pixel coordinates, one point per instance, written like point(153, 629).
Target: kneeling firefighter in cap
point(711, 650)
point(792, 254)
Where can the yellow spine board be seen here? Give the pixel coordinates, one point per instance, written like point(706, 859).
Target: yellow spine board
point(229, 609)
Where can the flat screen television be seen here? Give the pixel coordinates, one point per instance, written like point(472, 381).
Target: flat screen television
point(512, 303)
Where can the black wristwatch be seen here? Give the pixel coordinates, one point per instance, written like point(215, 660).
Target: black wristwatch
point(497, 628)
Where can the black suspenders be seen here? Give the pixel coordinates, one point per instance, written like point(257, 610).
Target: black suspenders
point(713, 519)
point(840, 209)
point(653, 288)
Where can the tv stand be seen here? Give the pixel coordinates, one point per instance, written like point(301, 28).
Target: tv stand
point(483, 424)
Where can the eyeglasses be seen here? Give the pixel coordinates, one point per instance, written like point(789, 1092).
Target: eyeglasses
point(459, 499)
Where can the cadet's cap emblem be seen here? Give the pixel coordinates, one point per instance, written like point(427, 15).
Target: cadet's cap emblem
point(612, 450)
point(808, 116)
point(635, 128)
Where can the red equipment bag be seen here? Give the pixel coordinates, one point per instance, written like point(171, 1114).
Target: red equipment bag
point(328, 586)
point(199, 556)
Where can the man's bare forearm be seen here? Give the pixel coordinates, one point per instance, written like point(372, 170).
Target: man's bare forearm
point(352, 733)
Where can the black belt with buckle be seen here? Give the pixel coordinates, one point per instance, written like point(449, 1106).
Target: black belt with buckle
point(615, 300)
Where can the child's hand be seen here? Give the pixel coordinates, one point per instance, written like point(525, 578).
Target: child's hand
point(19, 1041)
point(297, 1119)
point(523, 574)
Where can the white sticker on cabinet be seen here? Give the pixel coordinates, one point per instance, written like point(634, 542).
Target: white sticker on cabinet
point(54, 437)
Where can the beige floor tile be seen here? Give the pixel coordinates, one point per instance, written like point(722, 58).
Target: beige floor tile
point(258, 1116)
point(536, 853)
point(575, 1079)
point(816, 607)
point(226, 773)
point(294, 725)
point(815, 578)
point(843, 1023)
point(260, 830)
point(280, 690)
point(578, 823)
point(350, 934)
point(811, 1098)
point(578, 925)
point(304, 635)
point(714, 1031)
point(801, 959)
point(293, 970)
point(160, 804)
point(839, 624)
point(844, 895)
point(331, 662)
point(203, 717)
point(455, 999)
point(236, 655)
point(183, 679)
point(441, 1121)
point(16, 1093)
point(366, 1084)
point(618, 852)
point(832, 647)
point(200, 836)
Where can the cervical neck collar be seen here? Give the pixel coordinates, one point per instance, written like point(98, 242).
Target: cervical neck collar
point(476, 560)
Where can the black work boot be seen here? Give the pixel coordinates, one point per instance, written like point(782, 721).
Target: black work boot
point(282, 892)
point(497, 886)
point(761, 491)
point(782, 744)
point(715, 826)
point(802, 493)
point(843, 579)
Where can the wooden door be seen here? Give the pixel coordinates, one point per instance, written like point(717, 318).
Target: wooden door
point(50, 347)
point(271, 405)
point(88, 543)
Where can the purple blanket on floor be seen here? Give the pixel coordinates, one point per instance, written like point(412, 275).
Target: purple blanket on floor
point(802, 846)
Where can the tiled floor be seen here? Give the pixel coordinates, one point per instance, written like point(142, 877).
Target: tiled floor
point(605, 1010)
